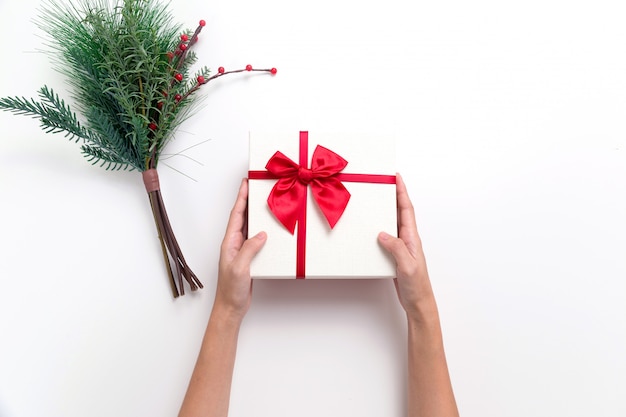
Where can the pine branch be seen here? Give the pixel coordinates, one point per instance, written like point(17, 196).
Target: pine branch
point(61, 118)
point(54, 115)
point(105, 135)
point(105, 158)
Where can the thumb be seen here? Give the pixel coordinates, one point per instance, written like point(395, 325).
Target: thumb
point(396, 247)
point(251, 247)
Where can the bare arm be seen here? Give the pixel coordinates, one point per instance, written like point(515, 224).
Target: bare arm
point(430, 390)
point(208, 394)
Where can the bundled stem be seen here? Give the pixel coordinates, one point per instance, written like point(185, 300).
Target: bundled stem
point(175, 263)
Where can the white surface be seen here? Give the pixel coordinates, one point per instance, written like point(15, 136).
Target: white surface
point(511, 137)
point(350, 249)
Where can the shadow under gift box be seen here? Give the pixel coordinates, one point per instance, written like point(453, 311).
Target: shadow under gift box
point(315, 250)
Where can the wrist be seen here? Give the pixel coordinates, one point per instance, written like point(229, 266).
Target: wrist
point(227, 314)
point(423, 312)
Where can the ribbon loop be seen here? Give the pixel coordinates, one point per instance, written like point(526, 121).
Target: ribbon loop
point(285, 199)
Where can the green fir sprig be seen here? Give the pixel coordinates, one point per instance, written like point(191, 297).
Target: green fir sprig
point(129, 69)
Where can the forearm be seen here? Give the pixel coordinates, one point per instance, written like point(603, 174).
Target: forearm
point(429, 387)
point(208, 394)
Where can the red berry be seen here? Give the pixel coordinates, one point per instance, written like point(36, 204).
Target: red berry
point(183, 46)
point(200, 79)
point(248, 67)
point(164, 93)
point(178, 97)
point(221, 70)
point(202, 23)
point(152, 126)
point(160, 105)
point(178, 76)
point(184, 37)
point(273, 71)
point(170, 55)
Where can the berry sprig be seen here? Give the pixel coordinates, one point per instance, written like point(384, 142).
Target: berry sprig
point(183, 49)
point(177, 60)
point(201, 79)
point(186, 43)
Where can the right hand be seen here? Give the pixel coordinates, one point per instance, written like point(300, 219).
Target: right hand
point(412, 281)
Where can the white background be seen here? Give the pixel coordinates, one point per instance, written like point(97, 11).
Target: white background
point(512, 140)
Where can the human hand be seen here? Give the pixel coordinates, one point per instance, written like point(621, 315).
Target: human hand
point(412, 281)
point(234, 285)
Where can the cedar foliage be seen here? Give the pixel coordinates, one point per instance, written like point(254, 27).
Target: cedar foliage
point(117, 57)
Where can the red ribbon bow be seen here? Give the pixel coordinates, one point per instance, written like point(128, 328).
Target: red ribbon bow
point(289, 192)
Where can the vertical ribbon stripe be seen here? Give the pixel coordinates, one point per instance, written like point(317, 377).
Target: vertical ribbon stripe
point(301, 238)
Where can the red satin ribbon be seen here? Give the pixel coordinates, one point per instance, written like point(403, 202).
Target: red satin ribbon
point(288, 198)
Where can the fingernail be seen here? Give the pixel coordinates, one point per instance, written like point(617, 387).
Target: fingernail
point(383, 236)
point(261, 235)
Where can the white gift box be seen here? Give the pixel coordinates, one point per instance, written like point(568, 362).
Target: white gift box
point(348, 250)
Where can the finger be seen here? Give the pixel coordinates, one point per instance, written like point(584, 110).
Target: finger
point(407, 226)
point(237, 214)
point(251, 247)
point(406, 214)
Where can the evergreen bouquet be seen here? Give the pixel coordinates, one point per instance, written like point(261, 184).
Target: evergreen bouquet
point(129, 68)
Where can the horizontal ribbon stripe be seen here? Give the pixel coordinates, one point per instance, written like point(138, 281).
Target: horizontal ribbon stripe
point(368, 178)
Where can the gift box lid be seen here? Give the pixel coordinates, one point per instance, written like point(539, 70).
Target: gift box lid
point(348, 250)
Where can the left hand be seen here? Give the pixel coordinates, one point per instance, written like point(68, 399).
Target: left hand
point(234, 285)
